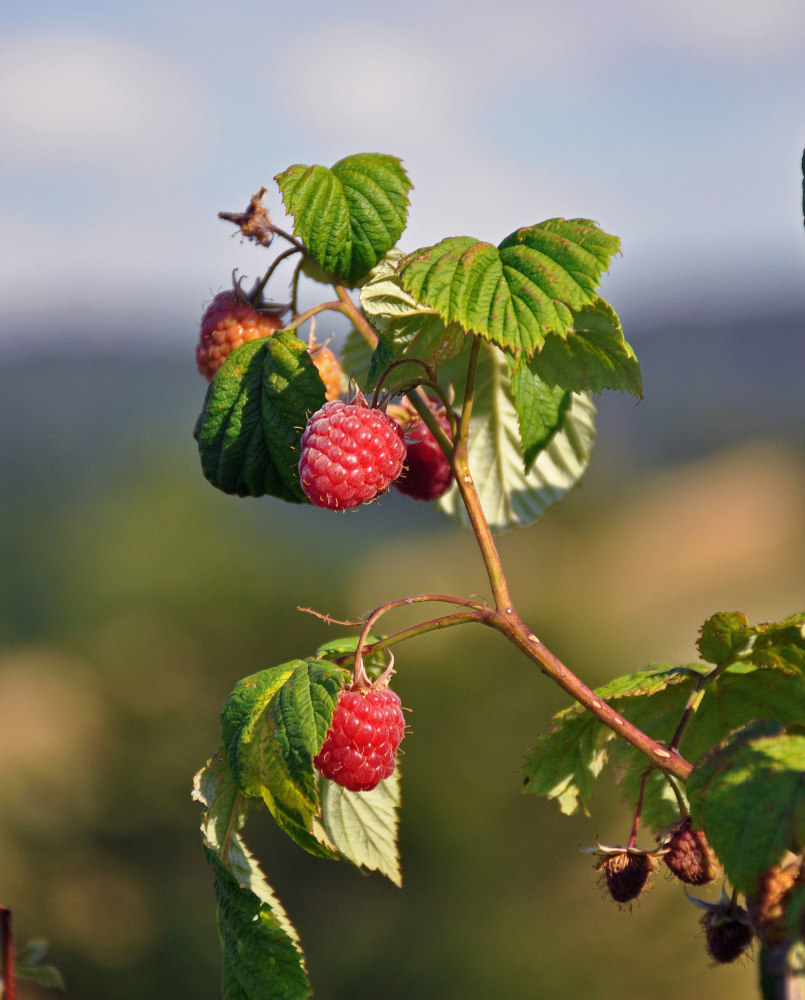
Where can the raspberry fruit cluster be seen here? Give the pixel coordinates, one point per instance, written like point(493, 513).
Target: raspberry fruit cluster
point(360, 748)
point(228, 322)
point(350, 454)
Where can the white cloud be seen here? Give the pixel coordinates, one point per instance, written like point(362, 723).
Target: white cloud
point(78, 99)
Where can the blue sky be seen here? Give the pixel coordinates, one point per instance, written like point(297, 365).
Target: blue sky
point(126, 128)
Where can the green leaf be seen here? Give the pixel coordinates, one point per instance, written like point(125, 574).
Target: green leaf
point(405, 329)
point(363, 826)
point(748, 794)
point(255, 410)
point(375, 663)
point(261, 953)
point(29, 966)
point(516, 294)
point(724, 636)
point(349, 216)
point(540, 409)
point(568, 758)
point(356, 358)
point(742, 693)
point(728, 636)
point(292, 391)
point(594, 356)
point(273, 723)
point(510, 496)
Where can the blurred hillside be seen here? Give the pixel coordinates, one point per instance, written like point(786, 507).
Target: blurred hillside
point(133, 596)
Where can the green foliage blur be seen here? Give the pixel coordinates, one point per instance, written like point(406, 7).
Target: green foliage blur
point(133, 596)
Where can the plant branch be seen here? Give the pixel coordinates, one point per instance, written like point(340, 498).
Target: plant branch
point(469, 495)
point(359, 676)
point(350, 310)
point(431, 625)
point(694, 700)
point(665, 758)
point(303, 317)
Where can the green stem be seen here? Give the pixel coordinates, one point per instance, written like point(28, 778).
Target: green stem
point(694, 700)
point(680, 802)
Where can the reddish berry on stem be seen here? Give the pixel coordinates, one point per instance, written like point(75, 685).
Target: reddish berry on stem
point(688, 855)
point(228, 322)
point(427, 474)
point(350, 454)
point(360, 748)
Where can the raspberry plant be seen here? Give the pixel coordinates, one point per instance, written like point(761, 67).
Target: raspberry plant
point(475, 364)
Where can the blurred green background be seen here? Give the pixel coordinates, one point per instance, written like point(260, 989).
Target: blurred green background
point(133, 596)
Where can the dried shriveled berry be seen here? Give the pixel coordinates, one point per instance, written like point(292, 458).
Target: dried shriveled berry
point(228, 322)
point(350, 454)
point(726, 938)
point(360, 748)
point(688, 855)
point(626, 873)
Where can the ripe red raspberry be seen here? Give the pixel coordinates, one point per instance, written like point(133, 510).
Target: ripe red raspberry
point(350, 454)
point(427, 474)
point(228, 322)
point(688, 854)
point(329, 369)
point(361, 745)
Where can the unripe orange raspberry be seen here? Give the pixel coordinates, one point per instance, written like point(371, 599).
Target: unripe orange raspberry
point(329, 370)
point(228, 322)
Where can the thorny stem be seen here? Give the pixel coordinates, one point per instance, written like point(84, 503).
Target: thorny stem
point(7, 946)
